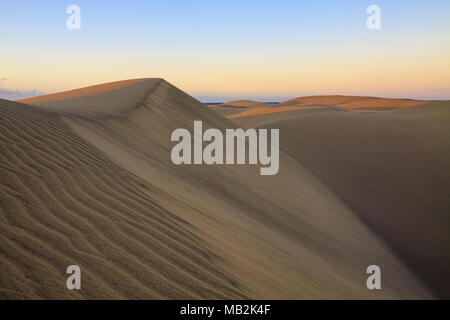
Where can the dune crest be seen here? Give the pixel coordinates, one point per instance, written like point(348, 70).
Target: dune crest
point(82, 92)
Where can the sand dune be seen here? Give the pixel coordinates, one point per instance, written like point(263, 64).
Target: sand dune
point(114, 88)
point(293, 107)
point(121, 96)
point(353, 102)
point(265, 110)
point(233, 108)
point(88, 180)
point(391, 168)
point(243, 103)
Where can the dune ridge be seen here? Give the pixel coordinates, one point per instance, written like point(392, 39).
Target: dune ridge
point(110, 87)
point(89, 181)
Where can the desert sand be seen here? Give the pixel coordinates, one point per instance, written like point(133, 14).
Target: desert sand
point(390, 167)
point(247, 108)
point(87, 179)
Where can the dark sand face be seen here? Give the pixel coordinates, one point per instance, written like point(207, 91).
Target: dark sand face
point(391, 168)
point(89, 181)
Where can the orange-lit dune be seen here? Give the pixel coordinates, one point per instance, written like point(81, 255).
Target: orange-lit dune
point(243, 103)
point(353, 101)
point(381, 103)
point(248, 108)
point(325, 100)
point(266, 110)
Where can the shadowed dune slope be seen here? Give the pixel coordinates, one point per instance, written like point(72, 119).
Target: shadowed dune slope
point(392, 168)
point(91, 183)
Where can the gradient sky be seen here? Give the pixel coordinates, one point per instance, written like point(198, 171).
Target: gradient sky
point(223, 50)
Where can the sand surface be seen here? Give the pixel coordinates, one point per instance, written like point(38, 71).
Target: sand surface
point(87, 179)
point(256, 111)
point(390, 167)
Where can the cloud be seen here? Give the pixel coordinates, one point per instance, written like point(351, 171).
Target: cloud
point(18, 94)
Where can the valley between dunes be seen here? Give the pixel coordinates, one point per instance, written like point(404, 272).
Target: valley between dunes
point(87, 179)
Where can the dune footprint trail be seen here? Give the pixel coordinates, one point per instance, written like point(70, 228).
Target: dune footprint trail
point(86, 179)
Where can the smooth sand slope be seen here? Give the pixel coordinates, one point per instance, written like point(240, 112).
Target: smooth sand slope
point(392, 168)
point(87, 179)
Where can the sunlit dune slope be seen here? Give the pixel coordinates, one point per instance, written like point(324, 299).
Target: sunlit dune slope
point(120, 96)
point(89, 181)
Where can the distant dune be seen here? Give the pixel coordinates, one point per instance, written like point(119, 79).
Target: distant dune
point(248, 108)
point(243, 103)
point(266, 110)
point(233, 108)
point(352, 102)
point(87, 179)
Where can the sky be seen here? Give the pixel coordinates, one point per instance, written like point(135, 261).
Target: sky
point(219, 50)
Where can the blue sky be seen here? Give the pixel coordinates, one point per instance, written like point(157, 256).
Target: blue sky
point(217, 50)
